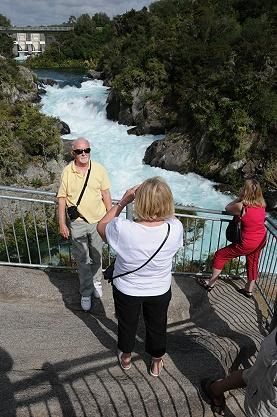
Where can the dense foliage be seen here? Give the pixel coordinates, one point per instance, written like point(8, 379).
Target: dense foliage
point(213, 61)
point(210, 66)
point(81, 48)
point(6, 42)
point(26, 135)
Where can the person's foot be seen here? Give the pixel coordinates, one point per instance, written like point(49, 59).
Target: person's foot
point(204, 284)
point(86, 303)
point(217, 400)
point(156, 367)
point(97, 290)
point(245, 293)
point(124, 360)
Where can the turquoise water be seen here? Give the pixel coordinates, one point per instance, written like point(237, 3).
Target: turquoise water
point(81, 104)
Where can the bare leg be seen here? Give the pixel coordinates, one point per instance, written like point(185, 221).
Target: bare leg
point(232, 381)
point(214, 277)
point(249, 286)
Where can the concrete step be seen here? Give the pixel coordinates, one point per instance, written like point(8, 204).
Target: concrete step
point(57, 360)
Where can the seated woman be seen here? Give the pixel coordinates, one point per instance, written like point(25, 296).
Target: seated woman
point(251, 206)
point(150, 286)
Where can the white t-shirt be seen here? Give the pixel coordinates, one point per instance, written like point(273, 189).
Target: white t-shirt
point(134, 244)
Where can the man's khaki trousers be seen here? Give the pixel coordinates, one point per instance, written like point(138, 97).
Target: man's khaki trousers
point(87, 251)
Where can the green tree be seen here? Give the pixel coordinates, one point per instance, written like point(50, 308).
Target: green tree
point(6, 42)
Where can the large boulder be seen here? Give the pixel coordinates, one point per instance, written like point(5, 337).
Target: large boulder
point(271, 200)
point(49, 81)
point(95, 75)
point(145, 115)
point(63, 128)
point(16, 93)
point(117, 111)
point(24, 89)
point(113, 105)
point(232, 167)
point(174, 153)
point(67, 148)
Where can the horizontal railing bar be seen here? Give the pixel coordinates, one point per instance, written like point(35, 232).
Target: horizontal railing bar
point(26, 190)
point(177, 207)
point(44, 266)
point(191, 216)
point(200, 209)
point(31, 200)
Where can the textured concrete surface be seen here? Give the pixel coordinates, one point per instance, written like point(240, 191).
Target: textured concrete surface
point(58, 361)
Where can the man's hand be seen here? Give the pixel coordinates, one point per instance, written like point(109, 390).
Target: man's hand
point(64, 231)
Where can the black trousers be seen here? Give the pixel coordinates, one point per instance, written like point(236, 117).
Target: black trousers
point(154, 310)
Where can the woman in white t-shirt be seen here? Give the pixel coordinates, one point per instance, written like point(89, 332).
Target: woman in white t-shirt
point(149, 287)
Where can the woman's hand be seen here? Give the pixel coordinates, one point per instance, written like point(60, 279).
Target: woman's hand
point(127, 198)
point(129, 195)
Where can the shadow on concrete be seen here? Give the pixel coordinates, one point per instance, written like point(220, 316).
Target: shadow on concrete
point(96, 383)
point(101, 326)
point(7, 400)
point(260, 318)
point(93, 386)
point(219, 336)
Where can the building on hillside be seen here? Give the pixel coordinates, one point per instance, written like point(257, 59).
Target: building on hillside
point(32, 40)
point(28, 43)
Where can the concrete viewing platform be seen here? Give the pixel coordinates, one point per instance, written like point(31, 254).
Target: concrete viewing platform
point(58, 361)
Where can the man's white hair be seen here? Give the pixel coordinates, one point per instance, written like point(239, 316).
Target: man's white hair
point(80, 139)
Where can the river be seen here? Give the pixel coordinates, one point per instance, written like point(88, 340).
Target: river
point(81, 103)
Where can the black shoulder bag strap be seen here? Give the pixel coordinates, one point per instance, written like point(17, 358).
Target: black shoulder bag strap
point(84, 186)
point(151, 257)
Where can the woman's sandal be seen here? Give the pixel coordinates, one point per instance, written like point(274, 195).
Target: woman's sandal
point(125, 368)
point(203, 284)
point(243, 291)
point(160, 368)
point(215, 407)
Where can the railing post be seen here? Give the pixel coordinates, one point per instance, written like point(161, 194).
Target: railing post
point(129, 211)
point(273, 322)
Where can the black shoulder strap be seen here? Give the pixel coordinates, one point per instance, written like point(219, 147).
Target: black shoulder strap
point(151, 257)
point(84, 186)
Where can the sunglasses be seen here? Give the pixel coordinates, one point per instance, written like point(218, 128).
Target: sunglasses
point(80, 151)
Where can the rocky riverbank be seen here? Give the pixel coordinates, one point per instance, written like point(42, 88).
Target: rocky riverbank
point(32, 150)
point(186, 152)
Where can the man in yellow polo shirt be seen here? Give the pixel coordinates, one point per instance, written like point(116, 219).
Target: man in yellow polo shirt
point(96, 200)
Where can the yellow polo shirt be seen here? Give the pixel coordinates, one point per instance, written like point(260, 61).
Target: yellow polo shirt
point(91, 205)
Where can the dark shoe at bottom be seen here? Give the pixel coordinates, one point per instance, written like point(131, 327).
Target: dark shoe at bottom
point(245, 293)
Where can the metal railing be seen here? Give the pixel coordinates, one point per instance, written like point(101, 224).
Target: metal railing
point(29, 237)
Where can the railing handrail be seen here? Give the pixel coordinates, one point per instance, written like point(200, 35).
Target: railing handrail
point(29, 225)
point(26, 190)
point(177, 206)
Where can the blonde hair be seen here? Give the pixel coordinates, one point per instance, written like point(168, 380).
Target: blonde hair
point(252, 194)
point(154, 200)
